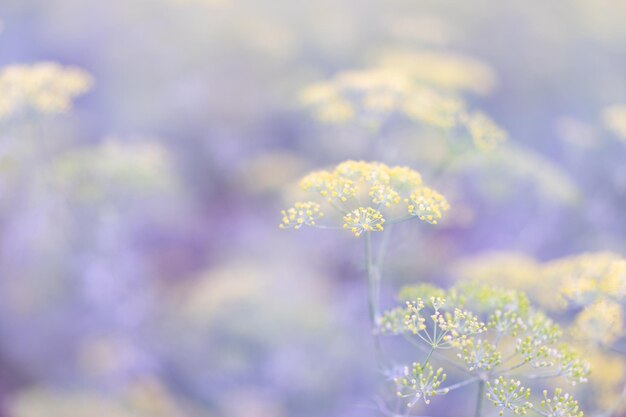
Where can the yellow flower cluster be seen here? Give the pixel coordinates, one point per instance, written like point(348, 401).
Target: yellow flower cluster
point(594, 281)
point(363, 220)
point(427, 204)
point(601, 322)
point(483, 131)
point(491, 333)
point(41, 88)
point(372, 95)
point(581, 279)
point(367, 194)
point(302, 213)
point(509, 394)
point(614, 119)
point(435, 109)
point(584, 278)
point(453, 72)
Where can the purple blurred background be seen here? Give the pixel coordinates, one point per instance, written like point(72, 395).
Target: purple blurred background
point(142, 272)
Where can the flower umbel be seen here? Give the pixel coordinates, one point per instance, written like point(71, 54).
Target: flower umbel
point(509, 394)
point(559, 405)
point(494, 336)
point(428, 205)
point(302, 213)
point(420, 383)
point(363, 220)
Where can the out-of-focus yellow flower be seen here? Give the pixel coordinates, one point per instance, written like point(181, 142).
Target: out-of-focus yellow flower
point(606, 379)
point(373, 96)
point(41, 88)
point(601, 322)
point(584, 278)
point(434, 109)
point(116, 167)
point(511, 270)
point(336, 111)
point(454, 72)
point(614, 119)
point(370, 95)
point(485, 133)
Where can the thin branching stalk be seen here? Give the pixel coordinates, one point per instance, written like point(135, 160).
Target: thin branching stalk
point(460, 384)
point(479, 399)
point(373, 291)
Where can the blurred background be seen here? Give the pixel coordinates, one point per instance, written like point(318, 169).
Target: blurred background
point(142, 272)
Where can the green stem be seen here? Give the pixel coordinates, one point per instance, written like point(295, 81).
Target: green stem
point(511, 368)
point(458, 385)
point(371, 280)
point(382, 249)
point(432, 349)
point(440, 356)
point(479, 399)
point(373, 290)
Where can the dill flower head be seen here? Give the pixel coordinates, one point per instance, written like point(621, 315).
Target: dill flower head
point(367, 195)
point(494, 335)
point(450, 71)
point(509, 394)
point(559, 405)
point(419, 382)
point(369, 96)
point(301, 214)
point(41, 88)
point(517, 270)
point(375, 95)
point(427, 204)
point(586, 277)
point(433, 108)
